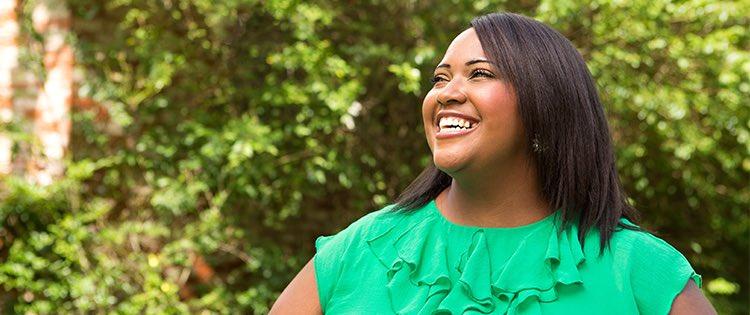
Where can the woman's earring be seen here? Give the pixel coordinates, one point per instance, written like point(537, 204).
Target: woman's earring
point(536, 145)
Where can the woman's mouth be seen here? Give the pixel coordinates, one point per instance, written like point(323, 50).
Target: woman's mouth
point(451, 126)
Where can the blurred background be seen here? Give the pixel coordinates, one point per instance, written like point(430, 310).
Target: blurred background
point(175, 156)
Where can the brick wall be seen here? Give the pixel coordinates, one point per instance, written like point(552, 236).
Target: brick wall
point(8, 62)
point(42, 106)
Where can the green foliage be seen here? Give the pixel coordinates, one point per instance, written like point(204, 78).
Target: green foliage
point(232, 133)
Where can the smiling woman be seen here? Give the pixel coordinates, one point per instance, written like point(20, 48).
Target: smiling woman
point(521, 211)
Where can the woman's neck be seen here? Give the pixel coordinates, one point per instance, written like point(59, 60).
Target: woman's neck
point(490, 200)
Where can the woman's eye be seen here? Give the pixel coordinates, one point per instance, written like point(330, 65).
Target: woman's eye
point(437, 79)
point(482, 73)
point(475, 73)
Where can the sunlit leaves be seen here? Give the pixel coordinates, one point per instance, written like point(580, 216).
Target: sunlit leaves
point(236, 131)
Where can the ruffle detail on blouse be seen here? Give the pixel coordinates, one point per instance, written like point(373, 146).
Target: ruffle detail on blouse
point(419, 280)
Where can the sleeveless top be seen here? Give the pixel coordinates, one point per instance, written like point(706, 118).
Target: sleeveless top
point(390, 262)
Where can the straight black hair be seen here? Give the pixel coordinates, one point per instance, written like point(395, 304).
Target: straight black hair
point(564, 120)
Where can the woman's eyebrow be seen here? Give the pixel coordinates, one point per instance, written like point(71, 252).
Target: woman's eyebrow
point(473, 61)
point(468, 63)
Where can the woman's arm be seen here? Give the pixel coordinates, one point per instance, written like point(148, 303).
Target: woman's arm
point(300, 296)
point(691, 301)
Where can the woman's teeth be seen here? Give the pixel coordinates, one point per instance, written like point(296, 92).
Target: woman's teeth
point(454, 123)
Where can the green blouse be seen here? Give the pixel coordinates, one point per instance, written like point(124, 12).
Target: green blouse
point(420, 263)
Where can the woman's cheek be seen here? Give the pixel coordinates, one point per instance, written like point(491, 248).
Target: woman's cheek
point(428, 109)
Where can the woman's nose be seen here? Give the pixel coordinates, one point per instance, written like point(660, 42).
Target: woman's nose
point(452, 93)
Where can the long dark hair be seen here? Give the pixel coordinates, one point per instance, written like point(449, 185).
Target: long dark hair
point(563, 119)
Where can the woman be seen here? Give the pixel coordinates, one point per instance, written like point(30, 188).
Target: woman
point(522, 211)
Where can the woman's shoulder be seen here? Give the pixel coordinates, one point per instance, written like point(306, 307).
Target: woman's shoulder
point(338, 253)
point(361, 229)
point(656, 270)
point(639, 243)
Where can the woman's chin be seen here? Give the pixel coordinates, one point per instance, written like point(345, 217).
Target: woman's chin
point(449, 163)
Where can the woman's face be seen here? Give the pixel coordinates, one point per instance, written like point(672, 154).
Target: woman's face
point(470, 116)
